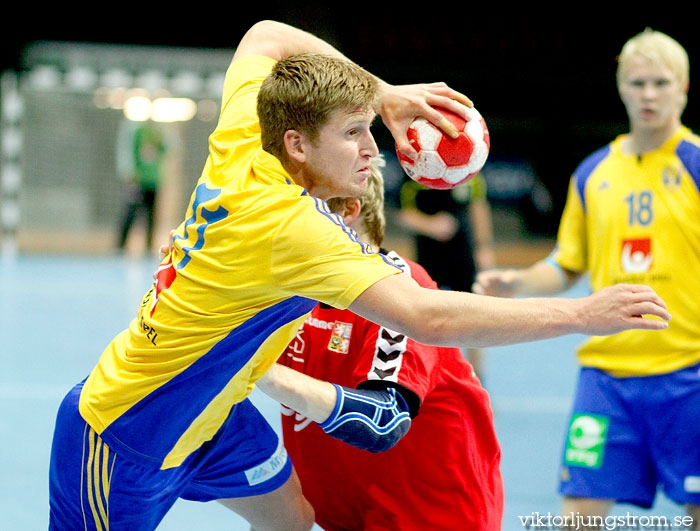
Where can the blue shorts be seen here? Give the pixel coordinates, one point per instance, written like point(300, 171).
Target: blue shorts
point(90, 485)
point(629, 435)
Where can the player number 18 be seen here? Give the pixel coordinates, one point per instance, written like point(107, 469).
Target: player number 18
point(640, 210)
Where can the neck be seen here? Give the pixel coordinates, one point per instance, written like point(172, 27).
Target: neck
point(643, 140)
point(300, 178)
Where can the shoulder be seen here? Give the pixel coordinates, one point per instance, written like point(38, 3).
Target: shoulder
point(591, 162)
point(688, 151)
point(589, 165)
point(249, 68)
point(416, 271)
point(244, 78)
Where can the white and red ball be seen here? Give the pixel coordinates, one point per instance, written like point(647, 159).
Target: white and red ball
point(444, 162)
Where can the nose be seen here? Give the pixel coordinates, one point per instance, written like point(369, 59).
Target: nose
point(369, 146)
point(649, 91)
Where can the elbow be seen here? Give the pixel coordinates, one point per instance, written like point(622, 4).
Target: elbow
point(389, 440)
point(426, 327)
point(263, 31)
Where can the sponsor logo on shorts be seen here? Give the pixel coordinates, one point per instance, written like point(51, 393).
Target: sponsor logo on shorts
point(586, 440)
point(268, 469)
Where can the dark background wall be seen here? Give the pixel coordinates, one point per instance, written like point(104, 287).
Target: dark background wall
point(543, 78)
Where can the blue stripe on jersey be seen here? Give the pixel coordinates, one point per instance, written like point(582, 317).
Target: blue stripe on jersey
point(689, 154)
point(324, 209)
point(166, 413)
point(585, 169)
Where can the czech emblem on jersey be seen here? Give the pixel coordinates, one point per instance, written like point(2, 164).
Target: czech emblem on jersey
point(636, 255)
point(340, 338)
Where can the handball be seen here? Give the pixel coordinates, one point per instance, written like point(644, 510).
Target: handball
point(444, 162)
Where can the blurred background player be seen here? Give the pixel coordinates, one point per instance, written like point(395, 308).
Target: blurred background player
point(453, 235)
point(632, 215)
point(140, 157)
point(444, 473)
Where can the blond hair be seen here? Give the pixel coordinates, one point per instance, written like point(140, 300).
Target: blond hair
point(658, 48)
point(371, 204)
point(303, 90)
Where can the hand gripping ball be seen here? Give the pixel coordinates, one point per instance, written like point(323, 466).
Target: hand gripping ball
point(444, 162)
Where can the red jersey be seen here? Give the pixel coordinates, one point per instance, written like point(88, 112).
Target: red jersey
point(444, 474)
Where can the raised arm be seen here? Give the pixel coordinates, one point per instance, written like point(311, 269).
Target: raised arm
point(446, 318)
point(279, 41)
point(398, 105)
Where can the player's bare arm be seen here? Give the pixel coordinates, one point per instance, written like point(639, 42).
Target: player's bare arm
point(373, 420)
point(315, 399)
point(398, 105)
point(457, 319)
point(542, 278)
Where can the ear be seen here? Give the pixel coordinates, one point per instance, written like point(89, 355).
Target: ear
point(295, 145)
point(351, 210)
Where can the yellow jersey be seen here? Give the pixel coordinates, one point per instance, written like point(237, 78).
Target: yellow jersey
point(636, 219)
point(248, 264)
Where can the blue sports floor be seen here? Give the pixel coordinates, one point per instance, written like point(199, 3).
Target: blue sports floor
point(57, 313)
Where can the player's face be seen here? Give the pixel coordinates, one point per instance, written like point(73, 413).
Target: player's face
point(652, 95)
point(338, 160)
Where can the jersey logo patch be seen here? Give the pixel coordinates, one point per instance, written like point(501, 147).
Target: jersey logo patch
point(636, 256)
point(340, 338)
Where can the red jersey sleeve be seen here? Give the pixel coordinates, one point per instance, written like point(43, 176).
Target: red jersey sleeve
point(391, 358)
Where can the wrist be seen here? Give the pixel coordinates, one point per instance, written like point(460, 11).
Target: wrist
point(336, 408)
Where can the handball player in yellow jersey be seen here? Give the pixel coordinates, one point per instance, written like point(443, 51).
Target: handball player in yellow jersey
point(164, 414)
point(633, 215)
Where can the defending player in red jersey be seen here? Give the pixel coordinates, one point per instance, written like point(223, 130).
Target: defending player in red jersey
point(443, 472)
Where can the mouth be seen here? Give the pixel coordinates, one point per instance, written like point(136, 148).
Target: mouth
point(365, 172)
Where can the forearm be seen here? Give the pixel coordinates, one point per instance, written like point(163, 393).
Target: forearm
point(373, 420)
point(543, 278)
point(482, 225)
point(473, 321)
point(466, 320)
point(315, 399)
point(279, 41)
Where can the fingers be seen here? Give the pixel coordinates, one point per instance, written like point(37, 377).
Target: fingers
point(644, 323)
point(448, 94)
point(646, 300)
point(478, 288)
point(400, 105)
point(642, 308)
point(649, 308)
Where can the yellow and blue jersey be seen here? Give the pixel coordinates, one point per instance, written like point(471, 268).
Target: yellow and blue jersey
point(248, 264)
point(636, 219)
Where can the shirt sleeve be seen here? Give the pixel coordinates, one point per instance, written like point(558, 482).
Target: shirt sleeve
point(571, 250)
point(240, 92)
point(317, 256)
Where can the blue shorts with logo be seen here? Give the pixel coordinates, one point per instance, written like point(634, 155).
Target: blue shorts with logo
point(629, 435)
point(90, 485)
